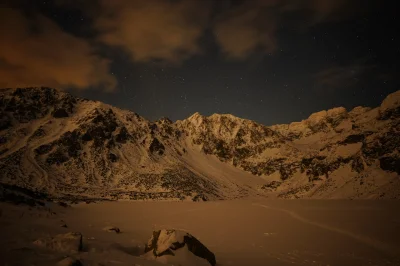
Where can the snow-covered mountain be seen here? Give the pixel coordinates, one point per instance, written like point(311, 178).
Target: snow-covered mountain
point(69, 147)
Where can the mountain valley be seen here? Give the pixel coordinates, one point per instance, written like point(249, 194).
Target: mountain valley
point(75, 149)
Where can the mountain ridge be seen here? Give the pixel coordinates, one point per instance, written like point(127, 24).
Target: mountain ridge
point(67, 146)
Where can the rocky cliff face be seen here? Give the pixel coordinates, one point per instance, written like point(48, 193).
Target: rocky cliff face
point(69, 147)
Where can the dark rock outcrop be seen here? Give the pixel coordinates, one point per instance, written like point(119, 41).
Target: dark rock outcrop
point(353, 139)
point(5, 122)
point(272, 185)
point(123, 136)
point(156, 147)
point(390, 114)
point(22, 196)
point(60, 113)
point(199, 197)
point(112, 157)
point(390, 163)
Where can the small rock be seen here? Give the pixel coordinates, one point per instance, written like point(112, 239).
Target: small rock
point(63, 224)
point(112, 229)
point(68, 261)
point(70, 242)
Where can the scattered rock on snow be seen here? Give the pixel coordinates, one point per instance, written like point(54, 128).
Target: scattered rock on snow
point(112, 229)
point(63, 224)
point(68, 261)
point(69, 242)
point(172, 243)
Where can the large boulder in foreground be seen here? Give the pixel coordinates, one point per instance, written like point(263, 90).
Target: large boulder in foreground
point(70, 242)
point(178, 247)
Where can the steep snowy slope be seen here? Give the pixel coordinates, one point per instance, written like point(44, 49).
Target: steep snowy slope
point(56, 143)
point(333, 153)
point(68, 147)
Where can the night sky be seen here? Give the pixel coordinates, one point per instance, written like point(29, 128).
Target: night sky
point(272, 61)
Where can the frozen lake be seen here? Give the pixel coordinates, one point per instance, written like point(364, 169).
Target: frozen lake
point(245, 232)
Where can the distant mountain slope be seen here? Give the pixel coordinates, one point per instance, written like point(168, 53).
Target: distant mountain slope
point(53, 142)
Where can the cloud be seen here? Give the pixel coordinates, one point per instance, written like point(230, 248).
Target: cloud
point(337, 77)
point(168, 31)
point(253, 25)
point(34, 51)
point(240, 34)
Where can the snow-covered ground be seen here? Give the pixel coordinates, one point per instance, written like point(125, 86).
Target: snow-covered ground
point(241, 232)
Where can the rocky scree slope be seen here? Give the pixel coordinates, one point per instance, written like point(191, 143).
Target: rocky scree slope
point(68, 147)
point(75, 148)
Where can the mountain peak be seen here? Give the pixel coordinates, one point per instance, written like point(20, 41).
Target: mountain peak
point(67, 146)
point(195, 116)
point(195, 119)
point(229, 116)
point(391, 101)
